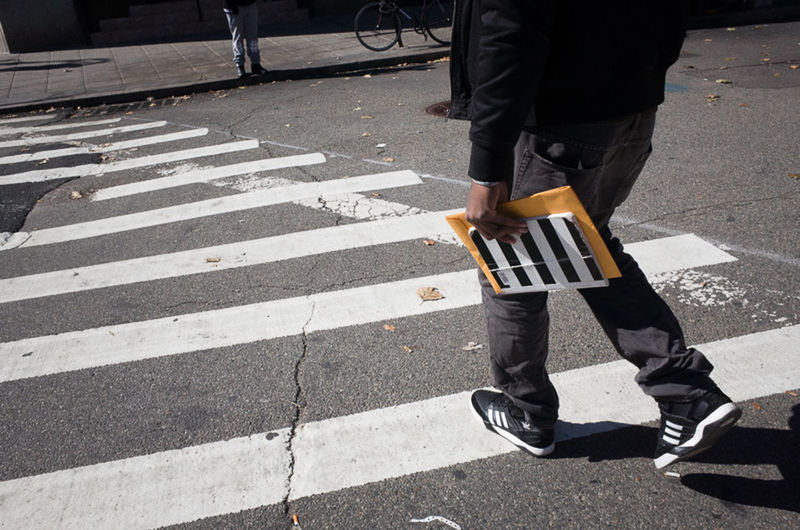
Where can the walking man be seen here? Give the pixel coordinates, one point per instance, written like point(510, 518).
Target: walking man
point(243, 22)
point(564, 92)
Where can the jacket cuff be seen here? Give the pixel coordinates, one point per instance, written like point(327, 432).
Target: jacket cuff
point(490, 166)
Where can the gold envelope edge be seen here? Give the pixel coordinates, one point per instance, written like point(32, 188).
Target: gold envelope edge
point(557, 200)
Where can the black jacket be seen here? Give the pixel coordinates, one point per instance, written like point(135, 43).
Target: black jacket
point(521, 63)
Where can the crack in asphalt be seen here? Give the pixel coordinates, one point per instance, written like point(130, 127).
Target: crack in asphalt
point(300, 405)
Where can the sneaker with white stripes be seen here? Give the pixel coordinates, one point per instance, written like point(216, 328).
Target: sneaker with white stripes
point(688, 429)
point(499, 414)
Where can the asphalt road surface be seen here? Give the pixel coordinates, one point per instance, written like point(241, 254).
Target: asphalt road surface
point(210, 317)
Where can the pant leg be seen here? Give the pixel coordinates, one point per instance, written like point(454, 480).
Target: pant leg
point(601, 161)
point(237, 36)
point(250, 20)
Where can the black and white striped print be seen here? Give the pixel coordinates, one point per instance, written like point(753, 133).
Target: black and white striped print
point(554, 254)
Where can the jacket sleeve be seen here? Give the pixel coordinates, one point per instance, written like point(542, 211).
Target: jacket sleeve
point(512, 54)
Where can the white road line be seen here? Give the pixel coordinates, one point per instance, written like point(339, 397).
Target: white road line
point(35, 140)
point(58, 127)
point(194, 210)
point(94, 170)
point(184, 485)
point(25, 118)
point(279, 318)
point(107, 148)
point(206, 175)
point(232, 255)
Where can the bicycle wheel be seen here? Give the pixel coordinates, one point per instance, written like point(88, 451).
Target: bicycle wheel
point(439, 21)
point(377, 28)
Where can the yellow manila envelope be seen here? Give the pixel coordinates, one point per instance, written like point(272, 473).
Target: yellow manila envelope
point(562, 249)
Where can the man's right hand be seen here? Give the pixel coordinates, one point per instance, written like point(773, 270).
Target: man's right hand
point(482, 213)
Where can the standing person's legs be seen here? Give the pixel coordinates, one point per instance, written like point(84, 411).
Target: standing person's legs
point(250, 22)
point(237, 39)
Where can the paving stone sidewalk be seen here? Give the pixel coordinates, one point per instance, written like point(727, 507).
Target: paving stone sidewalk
point(96, 75)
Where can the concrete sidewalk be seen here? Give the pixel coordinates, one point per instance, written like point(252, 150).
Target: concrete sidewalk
point(96, 75)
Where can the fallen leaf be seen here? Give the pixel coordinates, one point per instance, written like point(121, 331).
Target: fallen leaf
point(793, 394)
point(710, 98)
point(472, 346)
point(375, 194)
point(731, 58)
point(129, 113)
point(794, 66)
point(730, 29)
point(43, 161)
point(75, 195)
point(367, 76)
point(743, 105)
point(388, 327)
point(150, 98)
point(723, 81)
point(152, 105)
point(723, 67)
point(709, 40)
point(756, 406)
point(429, 294)
point(213, 260)
point(429, 242)
point(388, 159)
point(793, 175)
point(366, 117)
point(407, 349)
point(366, 134)
point(51, 109)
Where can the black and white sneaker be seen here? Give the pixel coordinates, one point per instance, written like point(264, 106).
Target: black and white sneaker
point(499, 414)
point(688, 429)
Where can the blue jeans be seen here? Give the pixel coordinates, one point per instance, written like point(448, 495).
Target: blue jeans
point(244, 27)
point(601, 161)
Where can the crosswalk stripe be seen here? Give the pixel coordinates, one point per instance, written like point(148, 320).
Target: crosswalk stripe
point(50, 139)
point(117, 146)
point(218, 478)
point(231, 203)
point(25, 118)
point(223, 257)
point(88, 170)
point(206, 175)
point(268, 320)
point(57, 127)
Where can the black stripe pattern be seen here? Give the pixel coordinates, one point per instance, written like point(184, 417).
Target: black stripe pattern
point(554, 254)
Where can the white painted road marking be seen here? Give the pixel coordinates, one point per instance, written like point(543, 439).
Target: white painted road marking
point(117, 146)
point(231, 203)
point(232, 255)
point(268, 320)
point(94, 170)
point(206, 175)
point(25, 118)
point(214, 479)
point(35, 140)
point(57, 127)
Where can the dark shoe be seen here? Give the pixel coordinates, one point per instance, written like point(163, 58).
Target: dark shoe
point(499, 414)
point(688, 429)
point(257, 69)
point(240, 73)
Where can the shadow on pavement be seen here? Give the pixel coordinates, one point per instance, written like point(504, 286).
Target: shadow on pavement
point(46, 65)
point(742, 446)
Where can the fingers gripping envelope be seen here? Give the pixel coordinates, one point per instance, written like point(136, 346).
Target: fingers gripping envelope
point(562, 249)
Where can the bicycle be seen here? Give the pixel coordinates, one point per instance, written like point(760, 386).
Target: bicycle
point(378, 25)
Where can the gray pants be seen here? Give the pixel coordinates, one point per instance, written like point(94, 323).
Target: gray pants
point(244, 27)
point(601, 161)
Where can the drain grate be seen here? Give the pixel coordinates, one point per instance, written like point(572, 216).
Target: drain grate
point(439, 109)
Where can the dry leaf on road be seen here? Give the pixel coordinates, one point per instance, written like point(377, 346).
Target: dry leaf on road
point(388, 327)
point(213, 260)
point(429, 242)
point(429, 294)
